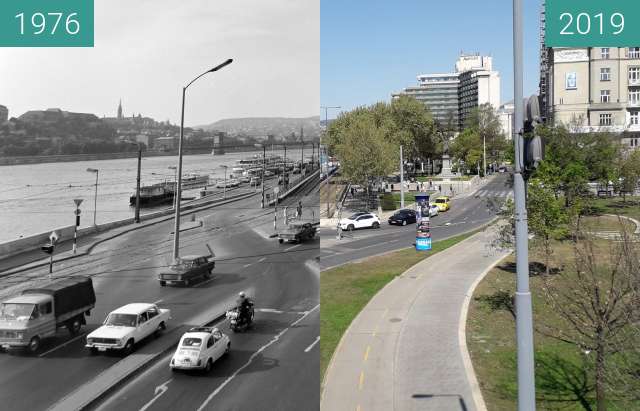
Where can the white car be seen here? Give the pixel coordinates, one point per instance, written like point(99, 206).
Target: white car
point(126, 326)
point(199, 348)
point(433, 210)
point(268, 173)
point(244, 179)
point(360, 220)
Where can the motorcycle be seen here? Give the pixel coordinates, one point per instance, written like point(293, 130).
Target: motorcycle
point(237, 322)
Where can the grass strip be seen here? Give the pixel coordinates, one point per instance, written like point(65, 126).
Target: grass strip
point(345, 290)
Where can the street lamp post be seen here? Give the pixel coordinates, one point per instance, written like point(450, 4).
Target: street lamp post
point(176, 235)
point(175, 182)
point(224, 189)
point(264, 166)
point(401, 180)
point(95, 198)
point(137, 212)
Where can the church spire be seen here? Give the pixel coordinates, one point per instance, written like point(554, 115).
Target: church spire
point(120, 110)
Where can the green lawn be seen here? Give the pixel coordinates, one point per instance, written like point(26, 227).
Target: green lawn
point(629, 207)
point(345, 290)
point(563, 373)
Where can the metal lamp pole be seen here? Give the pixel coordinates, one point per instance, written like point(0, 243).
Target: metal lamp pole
point(176, 235)
point(77, 201)
point(524, 317)
point(401, 180)
point(224, 189)
point(136, 218)
point(95, 198)
point(175, 182)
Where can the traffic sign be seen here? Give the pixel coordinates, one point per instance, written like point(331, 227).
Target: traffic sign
point(78, 201)
point(77, 212)
point(53, 237)
point(592, 23)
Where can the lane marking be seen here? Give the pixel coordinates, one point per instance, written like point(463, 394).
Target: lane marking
point(262, 259)
point(309, 348)
point(204, 282)
point(361, 382)
point(62, 345)
point(247, 265)
point(366, 353)
point(292, 247)
point(157, 302)
point(160, 389)
point(253, 356)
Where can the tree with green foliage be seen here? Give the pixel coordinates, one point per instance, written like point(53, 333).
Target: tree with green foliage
point(467, 147)
point(485, 122)
point(628, 169)
point(547, 218)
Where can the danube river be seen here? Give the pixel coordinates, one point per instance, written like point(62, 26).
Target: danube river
point(38, 198)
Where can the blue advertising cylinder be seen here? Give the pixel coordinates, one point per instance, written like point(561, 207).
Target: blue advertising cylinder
point(423, 234)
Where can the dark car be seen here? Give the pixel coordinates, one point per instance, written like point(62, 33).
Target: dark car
point(403, 217)
point(191, 267)
point(297, 232)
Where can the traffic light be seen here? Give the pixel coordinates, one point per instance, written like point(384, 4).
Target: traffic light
point(47, 248)
point(533, 150)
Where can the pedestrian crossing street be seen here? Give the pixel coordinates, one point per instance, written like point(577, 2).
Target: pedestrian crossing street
point(494, 193)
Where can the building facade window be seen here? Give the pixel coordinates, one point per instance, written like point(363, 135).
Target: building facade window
point(605, 119)
point(604, 53)
point(634, 96)
point(634, 74)
point(605, 96)
point(605, 74)
point(634, 52)
point(635, 118)
point(571, 81)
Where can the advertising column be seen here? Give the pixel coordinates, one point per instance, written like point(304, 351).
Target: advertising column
point(423, 232)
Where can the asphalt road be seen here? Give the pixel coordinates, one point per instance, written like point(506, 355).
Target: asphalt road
point(280, 278)
point(466, 214)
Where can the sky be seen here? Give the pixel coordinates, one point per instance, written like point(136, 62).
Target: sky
point(372, 48)
point(147, 50)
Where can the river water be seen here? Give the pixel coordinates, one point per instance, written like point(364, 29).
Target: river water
point(36, 198)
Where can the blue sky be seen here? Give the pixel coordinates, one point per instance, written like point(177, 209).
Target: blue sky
point(371, 48)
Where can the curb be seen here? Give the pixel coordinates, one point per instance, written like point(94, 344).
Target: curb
point(340, 343)
point(476, 393)
point(24, 267)
point(633, 220)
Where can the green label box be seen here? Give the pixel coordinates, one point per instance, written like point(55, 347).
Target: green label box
point(592, 23)
point(46, 23)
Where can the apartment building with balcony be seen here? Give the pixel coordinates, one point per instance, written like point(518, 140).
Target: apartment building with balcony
point(595, 90)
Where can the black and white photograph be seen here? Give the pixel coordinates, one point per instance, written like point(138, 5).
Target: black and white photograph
point(159, 197)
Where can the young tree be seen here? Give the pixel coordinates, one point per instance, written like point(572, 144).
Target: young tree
point(485, 122)
point(628, 171)
point(596, 303)
point(547, 218)
point(467, 147)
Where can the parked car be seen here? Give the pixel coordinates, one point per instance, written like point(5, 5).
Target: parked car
point(403, 217)
point(433, 210)
point(190, 267)
point(199, 348)
point(37, 313)
point(244, 179)
point(356, 221)
point(268, 173)
point(126, 326)
point(443, 203)
point(255, 181)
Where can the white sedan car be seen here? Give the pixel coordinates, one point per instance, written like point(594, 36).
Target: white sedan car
point(433, 210)
point(126, 326)
point(360, 220)
point(199, 348)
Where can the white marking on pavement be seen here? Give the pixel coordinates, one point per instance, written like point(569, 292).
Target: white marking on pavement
point(62, 345)
point(309, 348)
point(160, 389)
point(250, 360)
point(157, 302)
point(292, 247)
point(262, 259)
point(204, 283)
point(246, 265)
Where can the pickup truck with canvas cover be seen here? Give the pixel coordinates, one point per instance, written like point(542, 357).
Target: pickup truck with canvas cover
point(37, 313)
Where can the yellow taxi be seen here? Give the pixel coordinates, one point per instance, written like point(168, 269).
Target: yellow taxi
point(443, 203)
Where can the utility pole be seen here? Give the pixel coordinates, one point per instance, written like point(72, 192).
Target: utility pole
point(137, 214)
point(77, 201)
point(264, 167)
point(524, 311)
point(401, 180)
point(484, 154)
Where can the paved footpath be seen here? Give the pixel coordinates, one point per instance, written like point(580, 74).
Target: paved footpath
point(406, 350)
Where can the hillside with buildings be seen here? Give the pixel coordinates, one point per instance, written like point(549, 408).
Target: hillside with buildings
point(263, 126)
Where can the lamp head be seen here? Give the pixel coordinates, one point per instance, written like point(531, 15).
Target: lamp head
point(218, 67)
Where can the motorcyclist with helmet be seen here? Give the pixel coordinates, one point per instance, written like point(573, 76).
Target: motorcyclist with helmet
point(245, 306)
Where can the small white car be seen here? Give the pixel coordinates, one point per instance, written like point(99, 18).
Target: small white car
point(433, 210)
point(199, 348)
point(126, 326)
point(360, 220)
point(244, 179)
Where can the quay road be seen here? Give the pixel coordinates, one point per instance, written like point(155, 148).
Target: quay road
point(466, 214)
point(273, 365)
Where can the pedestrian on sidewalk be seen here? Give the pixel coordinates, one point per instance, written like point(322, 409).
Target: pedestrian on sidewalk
point(451, 189)
point(299, 210)
point(439, 188)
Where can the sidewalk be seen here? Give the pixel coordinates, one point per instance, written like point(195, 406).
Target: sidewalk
point(407, 350)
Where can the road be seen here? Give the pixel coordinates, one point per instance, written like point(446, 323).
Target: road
point(466, 214)
point(281, 278)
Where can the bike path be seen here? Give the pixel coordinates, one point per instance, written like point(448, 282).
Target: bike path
point(406, 349)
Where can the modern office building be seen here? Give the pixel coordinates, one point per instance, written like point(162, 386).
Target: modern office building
point(452, 96)
point(505, 114)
